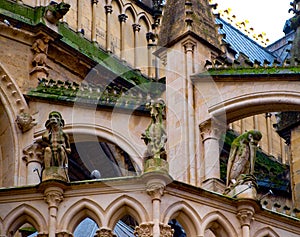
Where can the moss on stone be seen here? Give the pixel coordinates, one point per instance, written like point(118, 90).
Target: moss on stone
point(251, 71)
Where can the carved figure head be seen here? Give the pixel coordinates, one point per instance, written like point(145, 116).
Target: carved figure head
point(156, 108)
point(254, 136)
point(54, 119)
point(55, 11)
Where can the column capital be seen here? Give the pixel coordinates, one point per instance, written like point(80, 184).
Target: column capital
point(144, 229)
point(105, 232)
point(166, 230)
point(189, 45)
point(95, 1)
point(64, 234)
point(136, 27)
point(245, 217)
point(53, 196)
point(122, 17)
point(155, 190)
point(210, 130)
point(108, 9)
point(246, 210)
point(33, 153)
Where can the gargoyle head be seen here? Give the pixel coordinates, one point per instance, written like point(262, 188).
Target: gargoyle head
point(55, 11)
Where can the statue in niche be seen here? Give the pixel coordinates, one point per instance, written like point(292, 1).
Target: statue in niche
point(155, 135)
point(57, 145)
point(240, 167)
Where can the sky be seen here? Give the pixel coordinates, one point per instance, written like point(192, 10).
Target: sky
point(267, 16)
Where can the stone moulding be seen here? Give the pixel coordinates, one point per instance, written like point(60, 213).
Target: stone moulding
point(109, 96)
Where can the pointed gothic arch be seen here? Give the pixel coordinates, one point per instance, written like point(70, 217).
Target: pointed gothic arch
point(21, 215)
point(266, 232)
point(13, 103)
point(79, 211)
point(125, 205)
point(218, 220)
point(186, 215)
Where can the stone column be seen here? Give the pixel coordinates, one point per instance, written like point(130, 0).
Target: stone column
point(245, 215)
point(94, 14)
point(108, 11)
point(189, 46)
point(295, 166)
point(122, 19)
point(105, 232)
point(33, 158)
point(79, 15)
point(156, 191)
point(150, 47)
point(53, 196)
point(210, 134)
point(136, 29)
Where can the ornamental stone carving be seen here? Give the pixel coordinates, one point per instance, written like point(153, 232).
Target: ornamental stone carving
point(166, 231)
point(144, 230)
point(55, 11)
point(240, 167)
point(25, 122)
point(104, 232)
point(57, 148)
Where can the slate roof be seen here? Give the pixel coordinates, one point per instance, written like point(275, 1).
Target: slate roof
point(241, 43)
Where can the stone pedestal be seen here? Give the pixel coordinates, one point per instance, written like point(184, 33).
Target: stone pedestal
point(246, 187)
point(156, 164)
point(55, 172)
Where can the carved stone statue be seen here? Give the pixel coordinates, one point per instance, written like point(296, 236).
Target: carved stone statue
point(55, 11)
point(57, 146)
point(155, 135)
point(242, 157)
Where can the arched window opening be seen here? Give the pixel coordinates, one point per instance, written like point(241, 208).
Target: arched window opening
point(86, 228)
point(7, 162)
point(26, 230)
point(125, 226)
point(274, 154)
point(98, 159)
point(178, 229)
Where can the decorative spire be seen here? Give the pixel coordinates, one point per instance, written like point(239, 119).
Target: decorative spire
point(188, 17)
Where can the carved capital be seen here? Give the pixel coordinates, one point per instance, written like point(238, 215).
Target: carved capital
point(150, 36)
point(209, 130)
point(166, 231)
point(122, 17)
point(189, 46)
point(53, 197)
point(104, 232)
point(33, 153)
point(155, 190)
point(144, 230)
point(108, 9)
point(245, 217)
point(64, 234)
point(136, 27)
